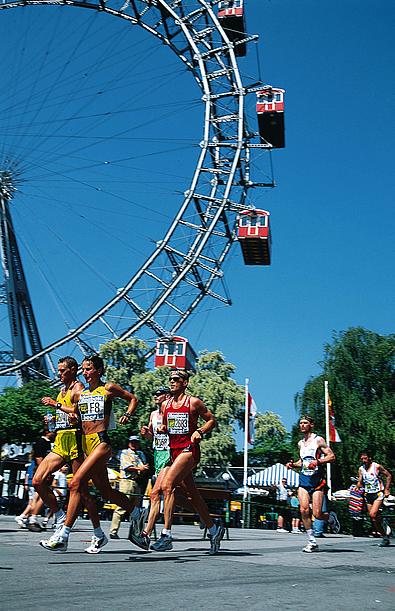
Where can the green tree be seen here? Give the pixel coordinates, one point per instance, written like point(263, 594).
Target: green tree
point(359, 366)
point(272, 443)
point(21, 411)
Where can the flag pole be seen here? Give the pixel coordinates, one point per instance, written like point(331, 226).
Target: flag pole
point(328, 465)
point(245, 466)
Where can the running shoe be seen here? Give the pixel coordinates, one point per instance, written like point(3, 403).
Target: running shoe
point(114, 535)
point(22, 522)
point(334, 522)
point(385, 542)
point(137, 524)
point(163, 544)
point(35, 527)
point(54, 544)
point(310, 547)
point(215, 539)
point(96, 544)
point(143, 541)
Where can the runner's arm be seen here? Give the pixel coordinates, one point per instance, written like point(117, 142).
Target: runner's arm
point(359, 483)
point(114, 390)
point(328, 453)
point(388, 475)
point(205, 414)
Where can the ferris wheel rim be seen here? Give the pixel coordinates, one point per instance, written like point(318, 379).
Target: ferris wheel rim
point(198, 69)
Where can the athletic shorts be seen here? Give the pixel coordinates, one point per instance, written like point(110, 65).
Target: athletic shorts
point(92, 440)
point(312, 483)
point(161, 460)
point(371, 497)
point(68, 444)
point(193, 448)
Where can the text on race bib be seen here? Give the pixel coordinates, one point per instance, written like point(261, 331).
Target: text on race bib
point(177, 423)
point(91, 407)
point(62, 420)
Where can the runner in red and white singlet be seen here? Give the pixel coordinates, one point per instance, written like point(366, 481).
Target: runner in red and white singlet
point(181, 414)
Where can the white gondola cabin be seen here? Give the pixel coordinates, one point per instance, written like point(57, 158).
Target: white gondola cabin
point(270, 111)
point(254, 236)
point(175, 352)
point(231, 16)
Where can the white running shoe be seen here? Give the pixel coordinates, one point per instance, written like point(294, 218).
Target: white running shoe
point(22, 522)
point(54, 544)
point(310, 547)
point(96, 544)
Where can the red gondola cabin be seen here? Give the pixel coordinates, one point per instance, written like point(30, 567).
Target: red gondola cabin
point(255, 237)
point(270, 110)
point(175, 352)
point(231, 15)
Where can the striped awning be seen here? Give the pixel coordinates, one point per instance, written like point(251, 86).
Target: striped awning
point(273, 475)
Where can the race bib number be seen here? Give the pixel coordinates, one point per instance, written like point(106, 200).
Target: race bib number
point(161, 441)
point(305, 465)
point(62, 420)
point(178, 423)
point(91, 407)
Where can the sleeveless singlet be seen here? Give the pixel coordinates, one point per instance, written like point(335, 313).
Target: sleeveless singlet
point(309, 451)
point(94, 405)
point(371, 480)
point(62, 419)
point(160, 441)
point(180, 425)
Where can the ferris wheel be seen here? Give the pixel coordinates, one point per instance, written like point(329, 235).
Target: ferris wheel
point(185, 266)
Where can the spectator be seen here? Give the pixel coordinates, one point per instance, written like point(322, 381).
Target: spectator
point(133, 463)
point(282, 495)
point(295, 512)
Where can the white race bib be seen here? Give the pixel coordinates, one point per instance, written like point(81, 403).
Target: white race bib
point(62, 420)
point(178, 423)
point(91, 407)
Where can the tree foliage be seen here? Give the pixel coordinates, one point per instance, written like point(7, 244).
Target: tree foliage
point(21, 412)
point(360, 368)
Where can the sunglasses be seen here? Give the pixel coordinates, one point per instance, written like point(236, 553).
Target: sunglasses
point(175, 379)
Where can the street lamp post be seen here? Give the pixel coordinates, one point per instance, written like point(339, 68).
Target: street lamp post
point(226, 478)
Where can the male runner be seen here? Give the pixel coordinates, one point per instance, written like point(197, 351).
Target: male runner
point(314, 453)
point(41, 449)
point(94, 406)
point(375, 492)
point(67, 449)
point(180, 421)
point(160, 441)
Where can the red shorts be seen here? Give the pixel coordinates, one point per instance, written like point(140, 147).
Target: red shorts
point(193, 448)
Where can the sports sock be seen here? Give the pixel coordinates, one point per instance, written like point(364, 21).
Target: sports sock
point(166, 532)
point(310, 536)
point(65, 532)
point(98, 532)
point(212, 530)
point(135, 513)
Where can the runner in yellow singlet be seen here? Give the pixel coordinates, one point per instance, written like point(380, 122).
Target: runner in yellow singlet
point(67, 449)
point(94, 406)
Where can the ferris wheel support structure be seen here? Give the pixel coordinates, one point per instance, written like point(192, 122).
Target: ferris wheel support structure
point(186, 265)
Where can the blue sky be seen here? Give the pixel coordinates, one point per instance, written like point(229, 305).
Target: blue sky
point(332, 211)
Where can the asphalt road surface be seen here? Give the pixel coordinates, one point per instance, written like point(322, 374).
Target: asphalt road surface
point(255, 569)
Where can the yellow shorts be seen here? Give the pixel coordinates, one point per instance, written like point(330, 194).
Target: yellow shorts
point(92, 440)
point(68, 444)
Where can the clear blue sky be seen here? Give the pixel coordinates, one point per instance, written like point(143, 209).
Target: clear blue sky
point(332, 212)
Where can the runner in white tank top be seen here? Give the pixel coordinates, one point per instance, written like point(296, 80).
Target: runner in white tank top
point(369, 478)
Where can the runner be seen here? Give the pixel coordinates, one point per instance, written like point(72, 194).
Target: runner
point(67, 449)
point(180, 415)
point(160, 441)
point(375, 492)
point(314, 453)
point(94, 406)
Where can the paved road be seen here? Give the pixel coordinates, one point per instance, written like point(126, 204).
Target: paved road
point(254, 570)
